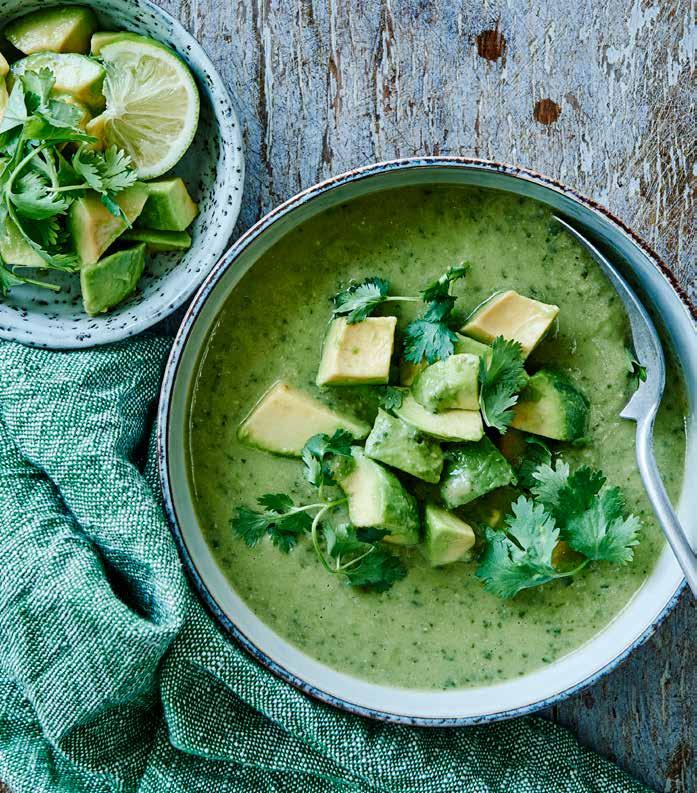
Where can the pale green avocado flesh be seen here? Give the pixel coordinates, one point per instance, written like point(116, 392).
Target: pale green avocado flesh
point(112, 279)
point(473, 469)
point(169, 206)
point(76, 75)
point(59, 29)
point(437, 628)
point(159, 241)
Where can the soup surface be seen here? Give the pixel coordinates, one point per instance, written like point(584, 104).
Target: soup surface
point(437, 628)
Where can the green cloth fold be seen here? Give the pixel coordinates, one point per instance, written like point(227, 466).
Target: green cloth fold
point(114, 678)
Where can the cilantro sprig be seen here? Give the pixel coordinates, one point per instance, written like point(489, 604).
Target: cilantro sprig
point(45, 164)
point(342, 550)
point(429, 337)
point(500, 381)
point(573, 507)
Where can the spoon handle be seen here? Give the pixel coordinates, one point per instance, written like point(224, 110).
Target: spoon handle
point(677, 539)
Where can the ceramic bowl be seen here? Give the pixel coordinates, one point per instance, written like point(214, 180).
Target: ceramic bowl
point(456, 707)
point(213, 169)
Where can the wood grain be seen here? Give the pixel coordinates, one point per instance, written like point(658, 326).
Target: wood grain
point(594, 93)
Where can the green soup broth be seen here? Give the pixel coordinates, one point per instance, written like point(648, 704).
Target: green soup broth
point(438, 628)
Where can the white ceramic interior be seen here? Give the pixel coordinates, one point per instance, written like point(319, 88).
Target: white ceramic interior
point(472, 705)
point(213, 169)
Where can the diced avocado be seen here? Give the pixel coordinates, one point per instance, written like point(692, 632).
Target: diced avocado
point(93, 226)
point(159, 241)
point(447, 539)
point(377, 498)
point(4, 66)
point(103, 37)
point(77, 75)
point(107, 282)
point(451, 384)
point(450, 425)
point(551, 405)
point(473, 469)
point(59, 29)
point(398, 444)
point(284, 419)
point(512, 445)
point(14, 249)
point(463, 344)
point(514, 317)
point(169, 206)
point(95, 127)
point(359, 353)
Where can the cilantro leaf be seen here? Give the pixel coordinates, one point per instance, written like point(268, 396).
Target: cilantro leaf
point(249, 525)
point(282, 521)
point(108, 174)
point(522, 556)
point(359, 300)
point(318, 453)
point(16, 111)
point(601, 532)
point(34, 200)
point(432, 340)
point(440, 288)
point(342, 541)
point(8, 279)
point(564, 494)
point(37, 89)
point(500, 382)
point(377, 571)
point(536, 454)
point(392, 397)
point(637, 371)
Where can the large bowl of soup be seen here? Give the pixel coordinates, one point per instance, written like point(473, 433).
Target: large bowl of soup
point(436, 648)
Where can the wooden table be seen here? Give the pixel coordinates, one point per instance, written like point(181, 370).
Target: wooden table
point(595, 93)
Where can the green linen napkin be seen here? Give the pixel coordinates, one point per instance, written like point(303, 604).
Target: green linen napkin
point(112, 676)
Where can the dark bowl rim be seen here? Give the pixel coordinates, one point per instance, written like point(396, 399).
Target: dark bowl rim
point(170, 376)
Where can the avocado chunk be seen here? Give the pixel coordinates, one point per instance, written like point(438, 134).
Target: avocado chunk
point(357, 354)
point(463, 344)
point(473, 469)
point(447, 539)
point(103, 37)
point(451, 384)
point(77, 75)
point(14, 249)
point(59, 29)
point(551, 405)
point(284, 419)
point(450, 425)
point(400, 445)
point(377, 498)
point(159, 241)
point(4, 66)
point(169, 206)
point(107, 282)
point(514, 317)
point(93, 226)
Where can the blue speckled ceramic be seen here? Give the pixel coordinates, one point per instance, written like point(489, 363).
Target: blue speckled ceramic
point(213, 169)
point(523, 695)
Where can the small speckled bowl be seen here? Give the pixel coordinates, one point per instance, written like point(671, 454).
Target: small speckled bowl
point(213, 169)
point(515, 697)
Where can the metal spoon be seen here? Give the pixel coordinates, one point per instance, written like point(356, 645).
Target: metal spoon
point(643, 406)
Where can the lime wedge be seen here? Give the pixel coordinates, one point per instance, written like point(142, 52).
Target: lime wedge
point(152, 104)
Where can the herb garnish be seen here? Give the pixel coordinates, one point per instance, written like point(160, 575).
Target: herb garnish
point(392, 397)
point(499, 383)
point(637, 371)
point(569, 507)
point(348, 551)
point(40, 177)
point(430, 337)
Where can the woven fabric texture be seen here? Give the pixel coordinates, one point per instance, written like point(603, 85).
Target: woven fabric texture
point(112, 676)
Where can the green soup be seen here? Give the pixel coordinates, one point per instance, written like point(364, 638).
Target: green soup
point(437, 628)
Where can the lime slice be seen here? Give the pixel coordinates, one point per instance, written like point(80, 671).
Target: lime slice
point(152, 104)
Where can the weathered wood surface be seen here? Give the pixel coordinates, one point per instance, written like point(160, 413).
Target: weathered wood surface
point(596, 93)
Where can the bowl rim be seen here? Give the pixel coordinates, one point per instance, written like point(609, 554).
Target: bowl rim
point(170, 377)
point(221, 103)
